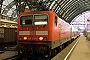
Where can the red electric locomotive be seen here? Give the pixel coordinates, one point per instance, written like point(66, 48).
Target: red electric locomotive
point(42, 32)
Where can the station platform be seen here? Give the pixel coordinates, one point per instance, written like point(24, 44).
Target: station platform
point(81, 51)
point(7, 54)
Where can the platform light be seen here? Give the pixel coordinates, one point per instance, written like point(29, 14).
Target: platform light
point(8, 21)
point(10, 24)
point(88, 19)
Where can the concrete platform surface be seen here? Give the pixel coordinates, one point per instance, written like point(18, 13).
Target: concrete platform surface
point(81, 51)
point(7, 54)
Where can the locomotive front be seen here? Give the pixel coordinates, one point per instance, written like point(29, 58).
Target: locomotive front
point(33, 32)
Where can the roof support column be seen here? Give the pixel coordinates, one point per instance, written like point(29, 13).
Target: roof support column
point(1, 2)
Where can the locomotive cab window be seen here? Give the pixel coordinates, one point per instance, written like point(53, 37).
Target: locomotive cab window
point(40, 19)
point(55, 21)
point(26, 20)
point(35, 19)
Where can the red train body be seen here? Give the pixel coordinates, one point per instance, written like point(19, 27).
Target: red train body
point(42, 31)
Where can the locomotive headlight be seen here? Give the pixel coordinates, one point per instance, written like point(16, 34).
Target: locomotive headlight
point(40, 38)
point(25, 38)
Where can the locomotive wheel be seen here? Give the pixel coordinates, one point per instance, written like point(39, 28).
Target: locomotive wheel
point(52, 53)
point(61, 47)
point(18, 52)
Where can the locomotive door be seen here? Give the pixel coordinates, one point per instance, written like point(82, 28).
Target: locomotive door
point(59, 31)
point(60, 28)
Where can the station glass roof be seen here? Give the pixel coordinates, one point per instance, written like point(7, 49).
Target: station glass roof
point(65, 9)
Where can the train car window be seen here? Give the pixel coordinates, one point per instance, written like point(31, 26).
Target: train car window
point(55, 21)
point(26, 20)
point(40, 19)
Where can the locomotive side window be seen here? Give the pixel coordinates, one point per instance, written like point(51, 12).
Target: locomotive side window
point(26, 20)
point(55, 21)
point(40, 19)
